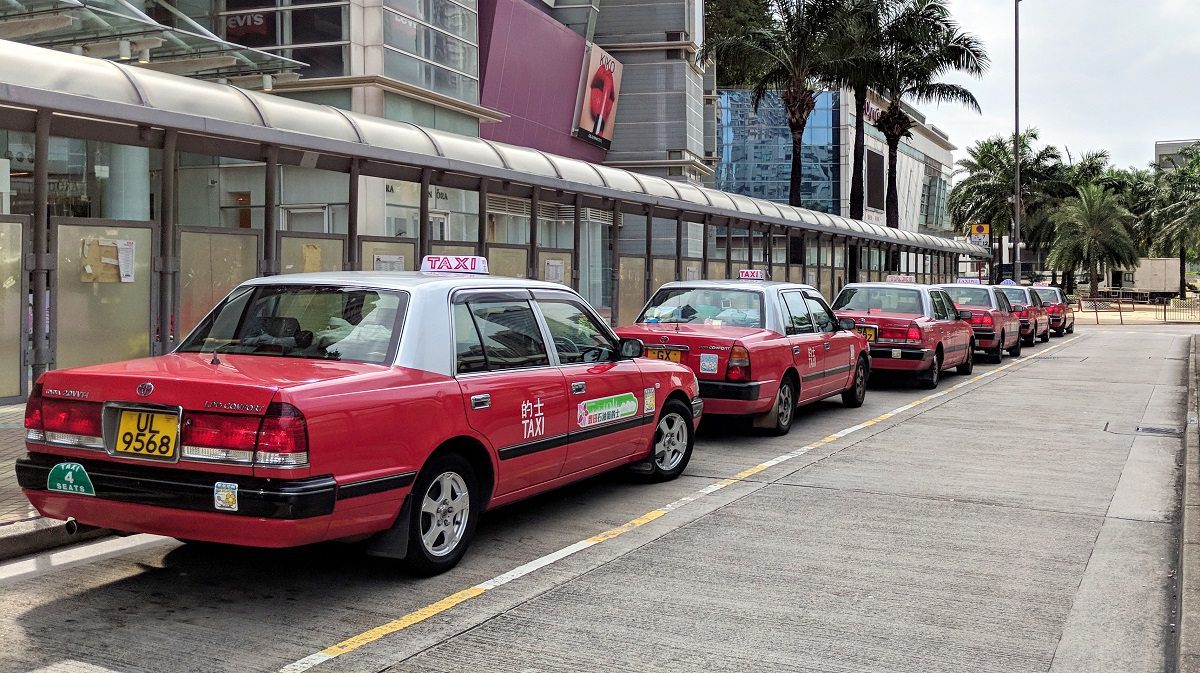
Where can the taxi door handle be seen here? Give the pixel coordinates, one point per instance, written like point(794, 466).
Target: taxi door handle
point(578, 388)
point(795, 350)
point(826, 345)
point(481, 401)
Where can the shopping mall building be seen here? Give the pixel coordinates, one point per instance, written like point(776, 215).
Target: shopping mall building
point(163, 153)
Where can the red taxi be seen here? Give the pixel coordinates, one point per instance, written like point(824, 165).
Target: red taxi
point(997, 328)
point(340, 406)
point(912, 328)
point(1035, 321)
point(759, 348)
point(1058, 307)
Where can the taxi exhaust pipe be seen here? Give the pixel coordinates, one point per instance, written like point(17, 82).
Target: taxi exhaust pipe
point(71, 526)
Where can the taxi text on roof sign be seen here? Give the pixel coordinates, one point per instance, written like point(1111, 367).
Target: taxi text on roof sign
point(454, 264)
point(900, 278)
point(965, 280)
point(752, 274)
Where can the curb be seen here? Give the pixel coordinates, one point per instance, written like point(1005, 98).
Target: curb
point(1188, 639)
point(30, 536)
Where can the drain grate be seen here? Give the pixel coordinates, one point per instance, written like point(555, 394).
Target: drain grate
point(1159, 430)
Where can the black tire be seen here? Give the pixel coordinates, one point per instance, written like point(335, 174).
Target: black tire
point(996, 355)
point(1028, 340)
point(1015, 351)
point(443, 480)
point(929, 380)
point(1060, 332)
point(669, 462)
point(785, 407)
point(854, 396)
point(1045, 335)
point(1071, 329)
point(968, 365)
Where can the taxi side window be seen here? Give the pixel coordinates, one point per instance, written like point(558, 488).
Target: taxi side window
point(1037, 299)
point(577, 336)
point(821, 313)
point(468, 347)
point(795, 314)
point(940, 310)
point(508, 334)
point(1002, 302)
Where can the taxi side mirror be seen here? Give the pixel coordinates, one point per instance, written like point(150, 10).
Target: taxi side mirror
point(964, 314)
point(631, 348)
point(846, 324)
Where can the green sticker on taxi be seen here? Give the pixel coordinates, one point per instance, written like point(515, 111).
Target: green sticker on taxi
point(70, 478)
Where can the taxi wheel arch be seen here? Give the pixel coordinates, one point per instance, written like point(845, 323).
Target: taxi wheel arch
point(479, 458)
point(770, 421)
point(933, 375)
point(451, 466)
point(968, 364)
point(648, 470)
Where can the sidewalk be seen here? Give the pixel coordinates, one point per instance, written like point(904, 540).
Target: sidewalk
point(13, 505)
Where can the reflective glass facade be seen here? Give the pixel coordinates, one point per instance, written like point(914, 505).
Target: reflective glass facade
point(756, 149)
point(433, 44)
point(316, 35)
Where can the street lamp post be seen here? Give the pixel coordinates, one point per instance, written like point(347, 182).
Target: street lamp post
point(1016, 238)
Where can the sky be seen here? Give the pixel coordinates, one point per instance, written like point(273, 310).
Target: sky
point(1095, 74)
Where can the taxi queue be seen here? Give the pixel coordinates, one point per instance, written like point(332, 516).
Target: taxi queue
point(395, 408)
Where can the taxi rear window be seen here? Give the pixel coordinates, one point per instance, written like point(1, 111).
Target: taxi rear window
point(890, 299)
point(969, 296)
point(1015, 295)
point(705, 306)
point(1048, 294)
point(303, 321)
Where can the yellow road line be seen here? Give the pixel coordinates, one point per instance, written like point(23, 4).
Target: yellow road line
point(417, 616)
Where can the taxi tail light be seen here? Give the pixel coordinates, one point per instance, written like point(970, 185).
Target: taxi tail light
point(981, 320)
point(1019, 314)
point(904, 335)
point(33, 414)
point(283, 438)
point(70, 417)
point(221, 437)
point(1054, 308)
point(738, 367)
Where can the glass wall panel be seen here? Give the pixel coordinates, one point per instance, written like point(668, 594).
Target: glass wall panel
point(595, 261)
point(631, 235)
point(388, 256)
point(402, 208)
point(86, 178)
point(633, 289)
point(508, 220)
point(210, 266)
point(13, 303)
point(693, 239)
point(301, 254)
point(102, 309)
point(739, 240)
point(663, 236)
point(512, 262)
point(444, 249)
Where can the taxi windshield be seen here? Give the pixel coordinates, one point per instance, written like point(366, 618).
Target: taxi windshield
point(890, 299)
point(705, 306)
point(969, 296)
point(1048, 294)
point(303, 321)
point(1015, 295)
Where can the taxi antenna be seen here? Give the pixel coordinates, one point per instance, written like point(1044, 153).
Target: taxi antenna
point(216, 359)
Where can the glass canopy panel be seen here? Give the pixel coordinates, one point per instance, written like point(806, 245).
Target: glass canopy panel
point(290, 115)
point(393, 135)
point(524, 159)
point(657, 186)
point(690, 194)
point(619, 179)
point(23, 65)
point(473, 150)
point(719, 199)
point(575, 170)
point(196, 97)
point(745, 204)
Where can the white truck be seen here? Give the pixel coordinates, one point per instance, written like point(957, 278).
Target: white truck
point(1154, 278)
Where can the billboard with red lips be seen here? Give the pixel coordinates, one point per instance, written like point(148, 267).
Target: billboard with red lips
point(599, 91)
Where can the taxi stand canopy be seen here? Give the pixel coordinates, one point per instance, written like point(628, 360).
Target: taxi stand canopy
point(48, 93)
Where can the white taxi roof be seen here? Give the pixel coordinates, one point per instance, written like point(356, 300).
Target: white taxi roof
point(736, 284)
point(403, 280)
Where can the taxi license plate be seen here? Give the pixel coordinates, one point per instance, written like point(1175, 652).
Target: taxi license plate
point(147, 434)
point(664, 354)
point(866, 331)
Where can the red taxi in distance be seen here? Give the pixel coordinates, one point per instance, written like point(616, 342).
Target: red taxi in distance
point(1058, 307)
point(335, 406)
point(1027, 305)
point(759, 348)
point(912, 328)
point(997, 328)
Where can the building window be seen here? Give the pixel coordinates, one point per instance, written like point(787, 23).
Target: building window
point(317, 36)
point(876, 179)
point(433, 44)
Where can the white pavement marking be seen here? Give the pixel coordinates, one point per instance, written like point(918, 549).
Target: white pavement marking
point(15, 571)
point(420, 615)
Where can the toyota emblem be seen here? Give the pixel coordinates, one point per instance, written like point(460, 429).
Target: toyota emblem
point(664, 339)
point(144, 389)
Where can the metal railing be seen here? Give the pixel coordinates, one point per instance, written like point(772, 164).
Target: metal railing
point(1178, 310)
point(1098, 305)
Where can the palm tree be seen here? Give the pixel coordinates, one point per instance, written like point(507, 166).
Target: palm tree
point(796, 56)
point(922, 45)
point(1175, 222)
point(985, 194)
point(1090, 233)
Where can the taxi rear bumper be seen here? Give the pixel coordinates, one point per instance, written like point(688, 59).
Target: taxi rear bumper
point(734, 399)
point(985, 339)
point(180, 503)
point(900, 358)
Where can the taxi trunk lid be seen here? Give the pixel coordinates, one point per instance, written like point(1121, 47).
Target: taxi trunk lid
point(891, 327)
point(705, 348)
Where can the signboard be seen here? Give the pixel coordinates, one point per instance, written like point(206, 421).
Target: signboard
point(964, 280)
point(980, 229)
point(982, 241)
point(752, 274)
point(598, 93)
point(454, 264)
point(900, 278)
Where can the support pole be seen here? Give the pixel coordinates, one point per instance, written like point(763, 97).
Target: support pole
point(481, 234)
point(577, 237)
point(535, 198)
point(648, 276)
point(353, 263)
point(706, 229)
point(271, 211)
point(169, 269)
point(423, 213)
point(679, 245)
point(41, 360)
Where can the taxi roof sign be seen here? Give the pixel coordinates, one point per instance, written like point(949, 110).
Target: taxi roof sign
point(752, 274)
point(967, 280)
point(454, 264)
point(900, 278)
